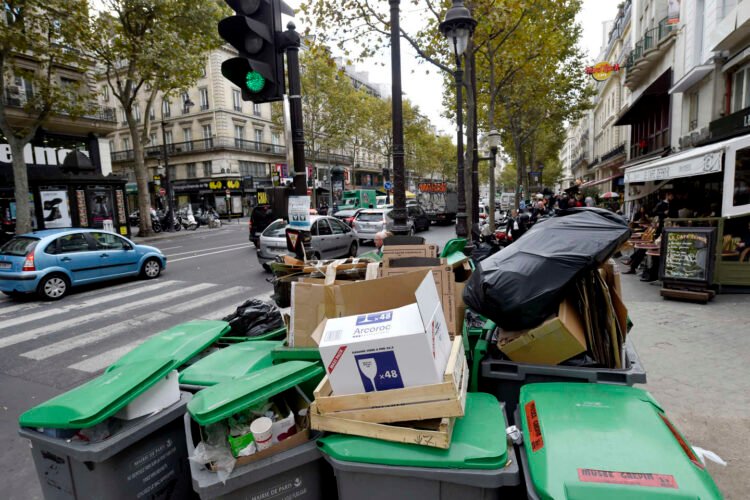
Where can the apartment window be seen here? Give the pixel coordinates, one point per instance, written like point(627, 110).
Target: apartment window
point(253, 168)
point(168, 137)
point(151, 113)
point(185, 99)
point(207, 135)
point(124, 116)
point(191, 171)
point(206, 168)
point(105, 93)
point(152, 138)
point(172, 171)
point(258, 135)
point(204, 99)
point(166, 110)
point(69, 87)
point(126, 143)
point(239, 135)
point(276, 141)
point(741, 89)
point(137, 113)
point(187, 137)
point(111, 146)
point(693, 111)
point(256, 109)
point(237, 100)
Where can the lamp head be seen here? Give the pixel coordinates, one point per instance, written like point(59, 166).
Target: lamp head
point(458, 26)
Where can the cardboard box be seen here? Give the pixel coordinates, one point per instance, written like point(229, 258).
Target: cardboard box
point(398, 251)
point(377, 350)
point(557, 339)
point(450, 281)
point(313, 302)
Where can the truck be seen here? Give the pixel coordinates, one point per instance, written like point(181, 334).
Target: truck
point(507, 201)
point(439, 200)
point(358, 198)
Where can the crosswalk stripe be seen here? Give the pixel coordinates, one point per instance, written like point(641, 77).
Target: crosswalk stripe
point(74, 306)
point(10, 306)
point(77, 322)
point(88, 338)
point(208, 299)
point(103, 360)
point(236, 245)
point(206, 254)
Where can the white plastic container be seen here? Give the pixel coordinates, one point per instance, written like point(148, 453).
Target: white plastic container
point(164, 393)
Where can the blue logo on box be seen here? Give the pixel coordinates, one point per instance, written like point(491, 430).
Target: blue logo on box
point(369, 319)
point(379, 371)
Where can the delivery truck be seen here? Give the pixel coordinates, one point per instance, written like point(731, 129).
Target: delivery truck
point(358, 198)
point(439, 200)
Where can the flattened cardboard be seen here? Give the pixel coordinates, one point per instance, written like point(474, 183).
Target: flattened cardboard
point(409, 251)
point(557, 339)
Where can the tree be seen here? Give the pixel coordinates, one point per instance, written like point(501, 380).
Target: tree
point(149, 47)
point(36, 39)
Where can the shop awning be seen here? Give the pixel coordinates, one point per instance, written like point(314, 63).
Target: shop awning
point(696, 161)
point(600, 181)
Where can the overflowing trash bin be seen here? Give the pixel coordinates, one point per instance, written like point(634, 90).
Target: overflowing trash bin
point(477, 465)
point(120, 435)
point(592, 441)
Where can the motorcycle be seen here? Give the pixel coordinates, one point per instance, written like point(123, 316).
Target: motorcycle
point(209, 217)
point(187, 220)
point(490, 243)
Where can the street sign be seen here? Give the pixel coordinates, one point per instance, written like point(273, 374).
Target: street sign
point(162, 191)
point(388, 185)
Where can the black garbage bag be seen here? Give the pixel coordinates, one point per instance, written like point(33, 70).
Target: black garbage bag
point(253, 318)
point(521, 286)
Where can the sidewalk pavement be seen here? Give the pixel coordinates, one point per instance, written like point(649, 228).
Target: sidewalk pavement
point(696, 359)
point(225, 224)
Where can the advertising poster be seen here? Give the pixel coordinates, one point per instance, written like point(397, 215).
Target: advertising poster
point(100, 206)
point(55, 209)
point(299, 211)
point(83, 219)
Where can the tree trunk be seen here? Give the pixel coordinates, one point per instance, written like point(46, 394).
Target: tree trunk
point(20, 185)
point(519, 171)
point(141, 178)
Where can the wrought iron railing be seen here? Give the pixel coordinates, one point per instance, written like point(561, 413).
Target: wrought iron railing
point(199, 145)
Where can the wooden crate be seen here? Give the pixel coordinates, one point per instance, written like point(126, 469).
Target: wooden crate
point(446, 399)
point(436, 433)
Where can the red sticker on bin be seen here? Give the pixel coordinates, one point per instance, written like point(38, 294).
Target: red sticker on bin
point(336, 358)
point(535, 430)
point(627, 478)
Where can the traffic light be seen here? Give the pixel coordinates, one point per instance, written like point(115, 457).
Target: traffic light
point(259, 69)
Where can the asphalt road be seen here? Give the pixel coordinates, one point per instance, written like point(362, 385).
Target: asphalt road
point(47, 348)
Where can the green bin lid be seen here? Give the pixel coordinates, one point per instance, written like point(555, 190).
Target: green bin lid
point(227, 398)
point(295, 353)
point(594, 441)
point(98, 399)
point(229, 363)
point(178, 344)
point(278, 333)
point(478, 442)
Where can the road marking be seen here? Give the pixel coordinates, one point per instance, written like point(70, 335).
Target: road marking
point(111, 330)
point(205, 249)
point(170, 248)
point(103, 360)
point(77, 322)
point(172, 261)
point(82, 305)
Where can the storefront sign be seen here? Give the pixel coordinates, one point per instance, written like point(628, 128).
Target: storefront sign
point(737, 123)
point(55, 209)
point(38, 156)
point(673, 12)
point(687, 254)
point(699, 165)
point(601, 71)
point(433, 187)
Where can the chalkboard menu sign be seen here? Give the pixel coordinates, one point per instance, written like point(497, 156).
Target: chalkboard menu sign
point(688, 254)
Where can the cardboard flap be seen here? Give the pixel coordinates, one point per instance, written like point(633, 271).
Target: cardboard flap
point(427, 299)
point(317, 334)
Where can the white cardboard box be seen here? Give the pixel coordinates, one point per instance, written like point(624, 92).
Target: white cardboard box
point(165, 392)
point(403, 347)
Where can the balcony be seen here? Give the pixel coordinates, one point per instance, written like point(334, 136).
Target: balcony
point(619, 150)
point(95, 119)
point(204, 145)
point(647, 51)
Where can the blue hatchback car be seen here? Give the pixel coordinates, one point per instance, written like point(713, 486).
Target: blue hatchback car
point(52, 261)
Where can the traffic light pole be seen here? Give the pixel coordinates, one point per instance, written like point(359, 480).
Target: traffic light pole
point(295, 110)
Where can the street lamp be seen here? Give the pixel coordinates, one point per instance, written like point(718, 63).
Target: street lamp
point(187, 104)
point(399, 188)
point(493, 141)
point(457, 28)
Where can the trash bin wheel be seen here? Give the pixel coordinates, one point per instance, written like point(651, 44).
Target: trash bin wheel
point(53, 286)
point(151, 269)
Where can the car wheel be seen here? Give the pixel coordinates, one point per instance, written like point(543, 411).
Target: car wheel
point(53, 287)
point(151, 269)
point(315, 256)
point(353, 249)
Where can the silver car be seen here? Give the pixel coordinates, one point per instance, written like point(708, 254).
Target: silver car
point(331, 239)
point(368, 223)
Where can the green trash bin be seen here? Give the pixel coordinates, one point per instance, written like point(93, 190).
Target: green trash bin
point(593, 441)
point(298, 472)
point(178, 344)
point(144, 457)
point(478, 464)
point(276, 334)
point(228, 363)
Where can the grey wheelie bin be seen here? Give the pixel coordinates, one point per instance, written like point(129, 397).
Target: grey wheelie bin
point(479, 465)
point(597, 441)
point(87, 443)
point(292, 468)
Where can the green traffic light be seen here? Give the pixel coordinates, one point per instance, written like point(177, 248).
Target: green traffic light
point(254, 81)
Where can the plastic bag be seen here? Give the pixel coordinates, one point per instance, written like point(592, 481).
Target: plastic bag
point(521, 286)
point(253, 318)
point(215, 449)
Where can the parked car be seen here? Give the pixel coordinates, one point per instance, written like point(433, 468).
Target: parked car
point(52, 261)
point(420, 218)
point(347, 216)
point(368, 223)
point(331, 239)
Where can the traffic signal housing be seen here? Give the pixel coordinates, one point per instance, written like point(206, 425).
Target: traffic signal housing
point(259, 69)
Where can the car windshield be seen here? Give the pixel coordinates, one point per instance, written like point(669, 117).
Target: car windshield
point(276, 230)
point(19, 246)
point(370, 217)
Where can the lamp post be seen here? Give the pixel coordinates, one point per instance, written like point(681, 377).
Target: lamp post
point(167, 180)
point(457, 28)
point(493, 141)
point(399, 188)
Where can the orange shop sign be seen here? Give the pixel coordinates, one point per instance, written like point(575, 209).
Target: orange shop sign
point(601, 71)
